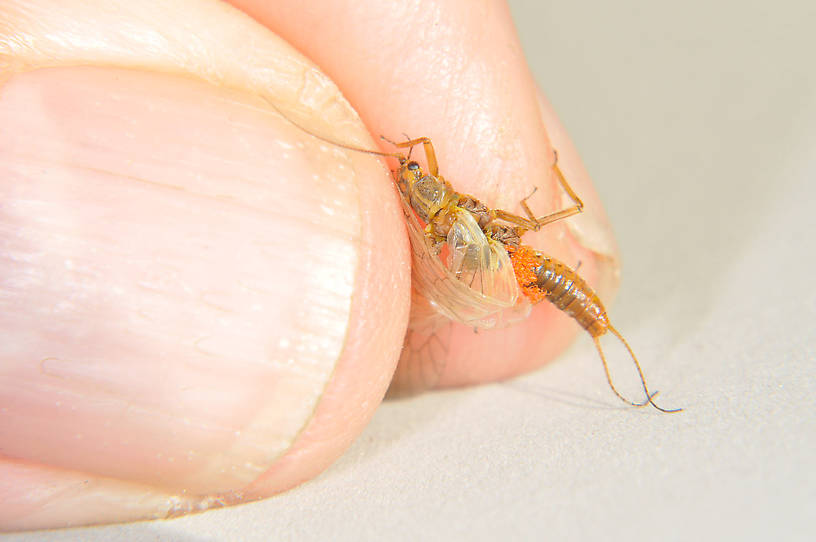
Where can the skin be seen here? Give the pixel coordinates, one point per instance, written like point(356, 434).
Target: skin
point(201, 303)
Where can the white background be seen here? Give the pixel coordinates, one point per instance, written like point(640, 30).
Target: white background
point(697, 120)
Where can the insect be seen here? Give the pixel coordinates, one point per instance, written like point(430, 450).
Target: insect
point(479, 263)
point(484, 291)
point(469, 263)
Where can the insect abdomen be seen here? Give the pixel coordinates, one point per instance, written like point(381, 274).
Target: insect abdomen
point(542, 277)
point(569, 292)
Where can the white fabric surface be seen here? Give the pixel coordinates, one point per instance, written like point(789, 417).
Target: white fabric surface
point(697, 122)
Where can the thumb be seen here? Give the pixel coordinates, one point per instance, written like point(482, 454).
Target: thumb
point(189, 284)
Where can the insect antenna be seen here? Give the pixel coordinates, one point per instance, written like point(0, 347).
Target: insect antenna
point(649, 395)
point(397, 155)
point(411, 149)
point(407, 139)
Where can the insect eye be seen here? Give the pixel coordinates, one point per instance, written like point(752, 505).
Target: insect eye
point(413, 166)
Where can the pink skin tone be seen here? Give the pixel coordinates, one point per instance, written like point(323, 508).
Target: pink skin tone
point(201, 303)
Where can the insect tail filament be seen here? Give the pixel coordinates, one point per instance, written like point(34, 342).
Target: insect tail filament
point(649, 395)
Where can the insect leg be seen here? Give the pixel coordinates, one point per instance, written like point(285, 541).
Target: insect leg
point(430, 155)
point(533, 223)
point(564, 213)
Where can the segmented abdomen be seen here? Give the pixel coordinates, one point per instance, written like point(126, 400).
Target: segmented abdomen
point(541, 277)
point(565, 289)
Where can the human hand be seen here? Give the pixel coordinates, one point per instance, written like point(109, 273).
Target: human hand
point(201, 303)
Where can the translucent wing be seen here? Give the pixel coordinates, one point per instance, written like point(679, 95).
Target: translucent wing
point(480, 263)
point(469, 279)
point(425, 351)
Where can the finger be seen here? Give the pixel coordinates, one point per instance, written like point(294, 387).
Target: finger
point(192, 288)
point(454, 71)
